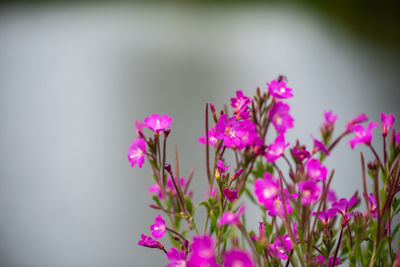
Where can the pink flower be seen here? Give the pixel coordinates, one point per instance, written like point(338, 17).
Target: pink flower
point(372, 205)
point(158, 229)
point(363, 135)
point(250, 137)
point(170, 188)
point(330, 118)
point(331, 196)
point(358, 119)
point(231, 195)
point(136, 152)
point(280, 117)
point(229, 218)
point(266, 190)
point(276, 207)
point(278, 89)
point(281, 247)
point(237, 258)
point(139, 128)
point(397, 138)
point(155, 188)
point(321, 260)
point(202, 254)
point(301, 153)
point(310, 191)
point(230, 131)
point(177, 258)
point(240, 104)
point(325, 216)
point(149, 242)
point(343, 206)
point(387, 122)
point(319, 146)
point(315, 170)
point(157, 123)
point(276, 149)
point(214, 193)
point(212, 140)
point(220, 169)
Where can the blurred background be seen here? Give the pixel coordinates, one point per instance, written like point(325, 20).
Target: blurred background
point(75, 76)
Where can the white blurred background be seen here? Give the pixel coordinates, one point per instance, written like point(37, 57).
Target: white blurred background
point(74, 78)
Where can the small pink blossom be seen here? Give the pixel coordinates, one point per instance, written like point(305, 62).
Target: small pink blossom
point(176, 257)
point(139, 128)
point(310, 192)
point(278, 89)
point(220, 169)
point(136, 152)
point(214, 193)
point(321, 260)
point(237, 258)
point(202, 252)
point(229, 218)
point(325, 216)
point(301, 153)
point(331, 195)
point(315, 170)
point(276, 149)
point(231, 195)
point(240, 105)
point(330, 119)
point(355, 121)
point(231, 131)
point(343, 206)
point(276, 207)
point(363, 135)
point(158, 229)
point(281, 247)
point(280, 117)
point(266, 190)
point(149, 242)
point(387, 122)
point(170, 188)
point(157, 124)
point(372, 205)
point(319, 146)
point(155, 188)
point(212, 140)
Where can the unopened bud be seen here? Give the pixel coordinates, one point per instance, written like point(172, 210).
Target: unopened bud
point(156, 207)
point(236, 174)
point(167, 132)
point(213, 112)
point(373, 165)
point(168, 168)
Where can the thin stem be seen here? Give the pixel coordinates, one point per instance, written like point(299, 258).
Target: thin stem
point(378, 158)
point(176, 233)
point(337, 247)
point(207, 147)
point(365, 185)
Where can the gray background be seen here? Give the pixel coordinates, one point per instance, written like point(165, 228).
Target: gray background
point(74, 78)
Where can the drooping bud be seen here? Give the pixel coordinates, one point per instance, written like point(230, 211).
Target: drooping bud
point(168, 168)
point(236, 174)
point(213, 112)
point(156, 207)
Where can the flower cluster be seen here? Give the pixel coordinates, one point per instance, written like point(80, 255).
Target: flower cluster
point(301, 222)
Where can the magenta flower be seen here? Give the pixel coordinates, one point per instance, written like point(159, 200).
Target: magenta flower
point(337, 261)
point(170, 188)
point(250, 137)
point(315, 170)
point(319, 146)
point(310, 192)
point(280, 117)
point(155, 188)
point(321, 260)
point(212, 140)
point(276, 149)
point(372, 205)
point(214, 193)
point(231, 195)
point(266, 190)
point(330, 119)
point(343, 206)
point(279, 89)
point(331, 196)
point(358, 119)
point(202, 252)
point(139, 128)
point(363, 135)
point(220, 169)
point(325, 216)
point(136, 152)
point(281, 247)
point(237, 258)
point(239, 99)
point(387, 122)
point(276, 207)
point(149, 242)
point(157, 124)
point(229, 218)
point(301, 153)
point(397, 138)
point(230, 131)
point(177, 258)
point(158, 229)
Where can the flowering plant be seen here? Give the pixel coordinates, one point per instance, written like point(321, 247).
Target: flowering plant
point(301, 223)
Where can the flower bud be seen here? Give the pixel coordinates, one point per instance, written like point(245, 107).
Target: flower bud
point(236, 174)
point(156, 207)
point(168, 168)
point(167, 132)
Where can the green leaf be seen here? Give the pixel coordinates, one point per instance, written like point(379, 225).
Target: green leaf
point(189, 205)
point(213, 220)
